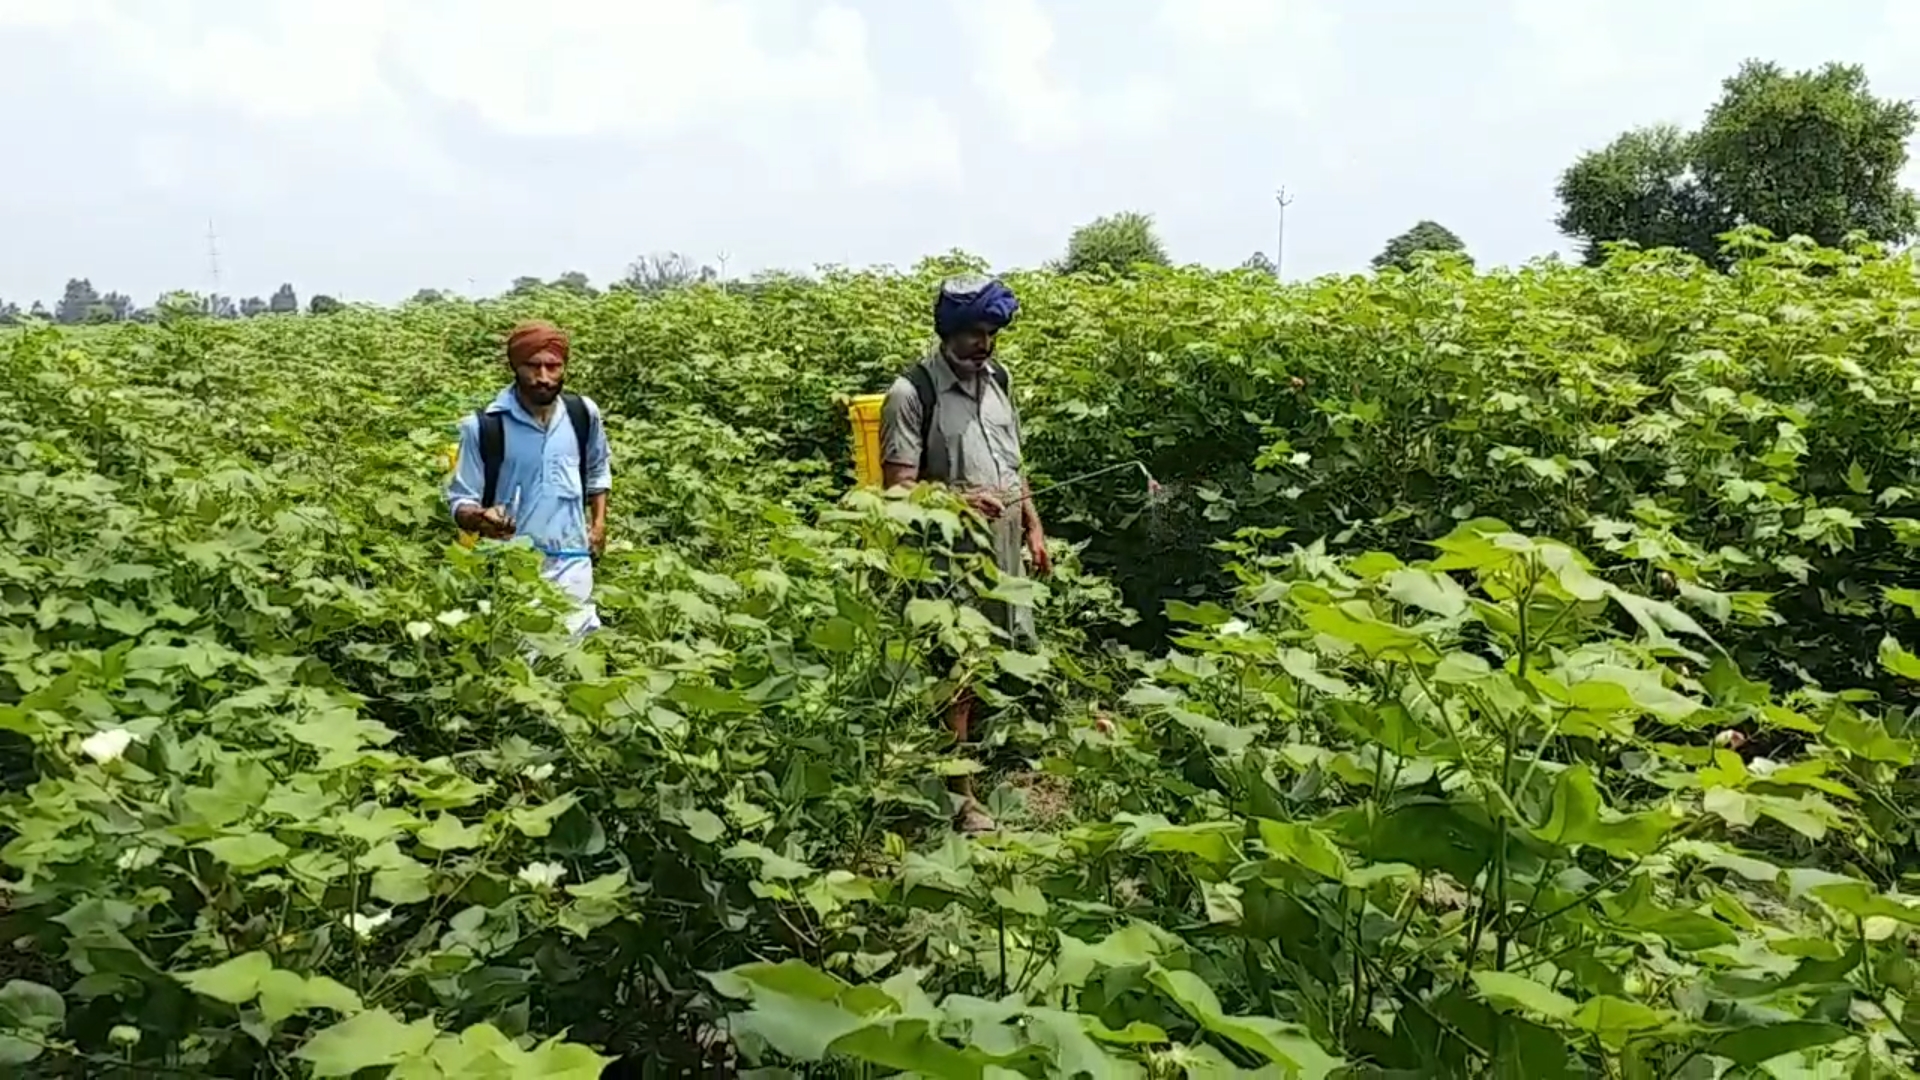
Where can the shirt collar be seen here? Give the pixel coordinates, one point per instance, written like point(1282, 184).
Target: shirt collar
point(507, 401)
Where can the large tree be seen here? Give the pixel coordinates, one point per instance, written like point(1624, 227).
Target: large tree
point(1424, 236)
point(75, 302)
point(283, 301)
point(1812, 153)
point(1114, 245)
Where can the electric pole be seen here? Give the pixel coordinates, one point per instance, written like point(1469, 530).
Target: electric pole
point(213, 255)
point(1280, 239)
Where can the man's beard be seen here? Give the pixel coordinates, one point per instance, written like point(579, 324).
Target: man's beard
point(542, 395)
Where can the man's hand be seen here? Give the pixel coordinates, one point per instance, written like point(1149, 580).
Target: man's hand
point(494, 522)
point(1037, 550)
point(985, 504)
point(597, 538)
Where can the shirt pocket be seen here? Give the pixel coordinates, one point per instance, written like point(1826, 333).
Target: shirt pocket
point(1001, 431)
point(563, 474)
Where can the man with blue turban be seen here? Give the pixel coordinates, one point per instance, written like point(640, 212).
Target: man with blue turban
point(950, 419)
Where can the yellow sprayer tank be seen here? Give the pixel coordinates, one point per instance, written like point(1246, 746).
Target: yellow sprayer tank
point(864, 411)
point(451, 460)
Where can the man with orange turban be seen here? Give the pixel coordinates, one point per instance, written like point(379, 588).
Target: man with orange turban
point(535, 465)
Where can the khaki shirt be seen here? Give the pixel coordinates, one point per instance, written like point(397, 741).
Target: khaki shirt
point(974, 441)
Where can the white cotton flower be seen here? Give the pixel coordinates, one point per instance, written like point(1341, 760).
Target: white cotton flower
point(1232, 627)
point(108, 745)
point(542, 875)
point(418, 631)
point(537, 773)
point(365, 925)
point(1300, 458)
point(453, 618)
point(485, 606)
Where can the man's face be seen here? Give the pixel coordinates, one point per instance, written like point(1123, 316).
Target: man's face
point(540, 378)
point(969, 350)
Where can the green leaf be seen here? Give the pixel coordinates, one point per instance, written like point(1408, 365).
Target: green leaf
point(1286, 1045)
point(366, 1041)
point(30, 1005)
point(1022, 665)
point(247, 852)
point(1907, 598)
point(1615, 1020)
point(1022, 898)
point(1428, 591)
point(1755, 1045)
point(773, 865)
point(703, 825)
point(236, 982)
point(836, 635)
point(1579, 818)
point(1305, 845)
point(1898, 660)
point(1506, 990)
point(446, 833)
point(537, 821)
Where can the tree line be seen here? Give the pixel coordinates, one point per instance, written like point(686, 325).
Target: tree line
point(1811, 153)
point(1808, 153)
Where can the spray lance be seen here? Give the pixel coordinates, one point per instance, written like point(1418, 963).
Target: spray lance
point(1153, 486)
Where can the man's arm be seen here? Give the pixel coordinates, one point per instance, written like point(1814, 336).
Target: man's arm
point(599, 477)
point(900, 420)
point(463, 487)
point(464, 490)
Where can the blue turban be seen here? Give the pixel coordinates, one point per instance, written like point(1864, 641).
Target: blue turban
point(966, 301)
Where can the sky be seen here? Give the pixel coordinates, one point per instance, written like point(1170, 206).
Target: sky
point(367, 149)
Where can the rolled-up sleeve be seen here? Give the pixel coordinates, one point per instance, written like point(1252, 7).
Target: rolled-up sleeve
point(900, 425)
point(463, 487)
point(599, 452)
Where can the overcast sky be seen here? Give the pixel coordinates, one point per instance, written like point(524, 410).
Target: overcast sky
point(367, 149)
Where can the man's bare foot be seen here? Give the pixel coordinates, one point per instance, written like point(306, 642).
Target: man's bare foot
point(973, 819)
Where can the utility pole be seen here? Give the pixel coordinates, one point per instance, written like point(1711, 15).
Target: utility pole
point(213, 255)
point(1280, 244)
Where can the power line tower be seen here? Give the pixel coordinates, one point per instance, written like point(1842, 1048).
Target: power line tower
point(1280, 239)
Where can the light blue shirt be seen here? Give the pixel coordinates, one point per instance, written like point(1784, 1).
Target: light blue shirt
point(540, 469)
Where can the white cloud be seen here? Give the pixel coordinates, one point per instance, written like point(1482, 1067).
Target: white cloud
point(1276, 55)
point(579, 68)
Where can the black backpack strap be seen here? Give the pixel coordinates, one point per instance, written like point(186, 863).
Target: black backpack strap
point(922, 381)
point(493, 448)
point(582, 421)
point(1000, 377)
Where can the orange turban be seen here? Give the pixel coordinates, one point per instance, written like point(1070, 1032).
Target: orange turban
point(530, 339)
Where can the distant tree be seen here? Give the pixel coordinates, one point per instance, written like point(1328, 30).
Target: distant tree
point(1424, 236)
point(143, 315)
point(1259, 261)
point(38, 311)
point(9, 313)
point(428, 296)
point(1812, 153)
point(252, 306)
point(525, 284)
point(322, 304)
point(1641, 187)
point(1114, 245)
point(575, 282)
point(660, 272)
point(75, 302)
point(120, 304)
point(284, 302)
point(222, 307)
point(99, 314)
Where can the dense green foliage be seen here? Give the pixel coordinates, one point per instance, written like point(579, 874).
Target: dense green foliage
point(1424, 236)
point(1114, 245)
point(296, 786)
point(1810, 153)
